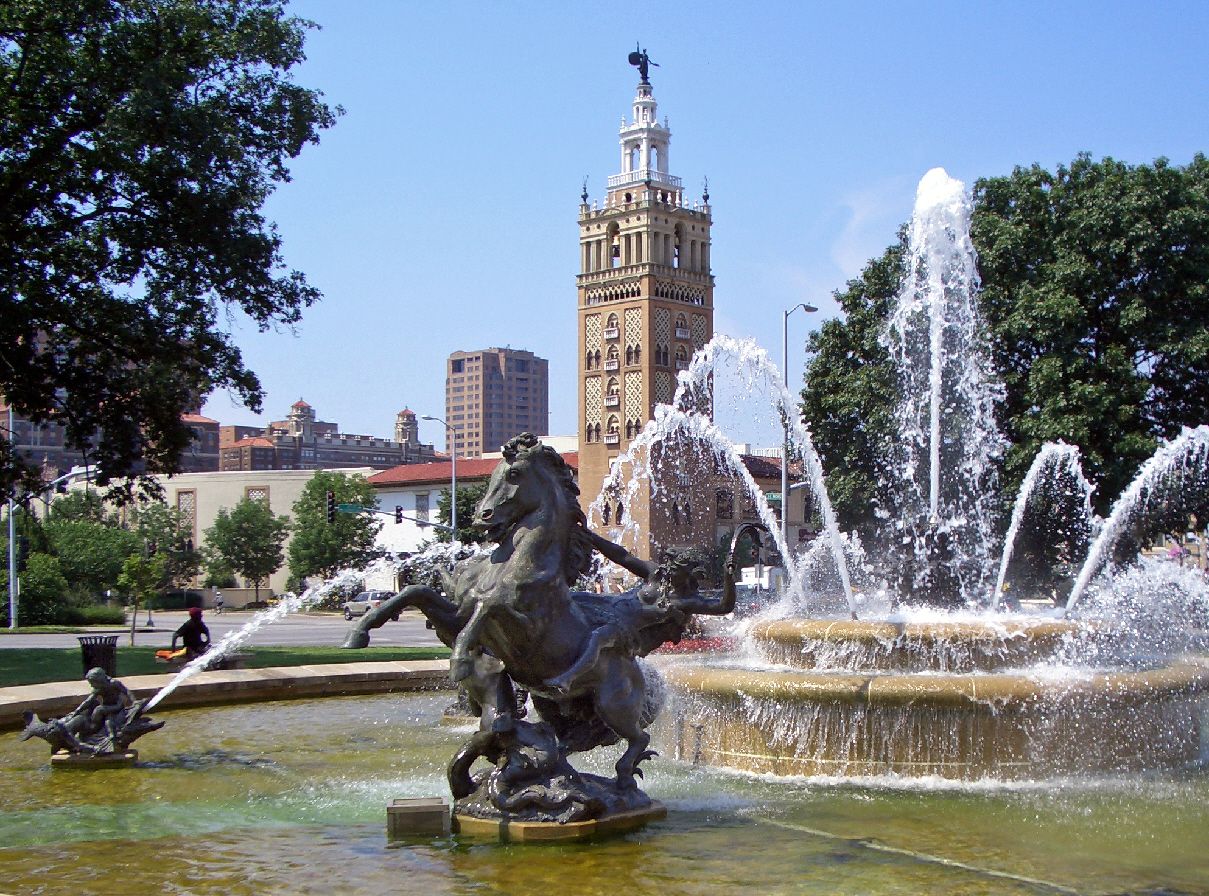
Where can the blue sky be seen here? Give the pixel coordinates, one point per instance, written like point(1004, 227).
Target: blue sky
point(440, 213)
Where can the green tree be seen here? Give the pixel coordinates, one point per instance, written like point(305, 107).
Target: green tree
point(44, 593)
point(248, 541)
point(468, 499)
point(90, 553)
point(322, 548)
point(171, 532)
point(82, 504)
point(139, 142)
point(142, 578)
point(1096, 290)
point(1096, 296)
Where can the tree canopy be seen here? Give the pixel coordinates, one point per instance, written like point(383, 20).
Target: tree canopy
point(322, 548)
point(138, 144)
point(1096, 297)
point(247, 540)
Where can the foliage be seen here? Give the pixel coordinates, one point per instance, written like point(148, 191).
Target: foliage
point(850, 384)
point(138, 144)
point(171, 532)
point(322, 548)
point(43, 599)
point(81, 504)
point(248, 540)
point(1096, 296)
point(468, 499)
point(91, 554)
point(142, 577)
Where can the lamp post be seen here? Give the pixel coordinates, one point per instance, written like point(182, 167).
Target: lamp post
point(12, 540)
point(809, 309)
point(453, 467)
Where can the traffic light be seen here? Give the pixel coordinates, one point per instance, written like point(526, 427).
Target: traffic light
point(331, 507)
point(398, 513)
point(22, 552)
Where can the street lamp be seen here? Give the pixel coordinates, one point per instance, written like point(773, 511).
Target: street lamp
point(809, 309)
point(453, 457)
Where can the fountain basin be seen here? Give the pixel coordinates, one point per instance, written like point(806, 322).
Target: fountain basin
point(947, 646)
point(963, 726)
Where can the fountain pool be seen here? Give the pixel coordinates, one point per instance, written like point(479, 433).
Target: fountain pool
point(275, 802)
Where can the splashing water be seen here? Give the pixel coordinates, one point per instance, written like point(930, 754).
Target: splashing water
point(290, 603)
point(1177, 466)
point(948, 445)
point(1055, 462)
point(684, 429)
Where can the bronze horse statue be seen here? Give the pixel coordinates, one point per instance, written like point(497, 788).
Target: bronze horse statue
point(513, 618)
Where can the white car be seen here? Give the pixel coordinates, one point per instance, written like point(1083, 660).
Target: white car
point(364, 602)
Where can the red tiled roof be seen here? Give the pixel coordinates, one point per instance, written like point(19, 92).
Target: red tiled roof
point(300, 404)
point(469, 468)
point(196, 418)
point(253, 442)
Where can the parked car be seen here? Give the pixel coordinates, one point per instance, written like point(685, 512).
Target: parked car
point(364, 602)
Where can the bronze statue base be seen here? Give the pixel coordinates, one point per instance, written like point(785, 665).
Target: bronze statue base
point(64, 759)
point(507, 830)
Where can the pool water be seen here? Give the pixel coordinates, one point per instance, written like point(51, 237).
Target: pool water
point(289, 798)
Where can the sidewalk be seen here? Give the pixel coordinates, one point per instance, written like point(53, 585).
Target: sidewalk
point(235, 686)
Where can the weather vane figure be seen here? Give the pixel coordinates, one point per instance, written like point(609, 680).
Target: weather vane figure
point(640, 59)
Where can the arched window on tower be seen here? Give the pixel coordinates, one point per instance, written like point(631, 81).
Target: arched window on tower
point(606, 514)
point(613, 356)
point(681, 358)
point(588, 360)
point(655, 158)
point(638, 354)
point(620, 513)
point(596, 433)
point(596, 358)
point(632, 160)
point(611, 322)
point(629, 355)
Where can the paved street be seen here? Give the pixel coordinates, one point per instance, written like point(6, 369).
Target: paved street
point(318, 630)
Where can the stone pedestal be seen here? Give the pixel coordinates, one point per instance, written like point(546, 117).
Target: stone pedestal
point(427, 816)
point(512, 831)
point(63, 759)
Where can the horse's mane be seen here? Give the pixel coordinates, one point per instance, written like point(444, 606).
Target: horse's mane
point(578, 557)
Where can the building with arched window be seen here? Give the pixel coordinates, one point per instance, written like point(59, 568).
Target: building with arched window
point(645, 304)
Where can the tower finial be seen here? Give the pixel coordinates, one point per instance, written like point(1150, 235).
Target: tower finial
point(640, 59)
point(705, 192)
point(584, 195)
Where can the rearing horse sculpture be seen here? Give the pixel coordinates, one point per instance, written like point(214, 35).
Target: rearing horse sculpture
point(513, 618)
point(521, 609)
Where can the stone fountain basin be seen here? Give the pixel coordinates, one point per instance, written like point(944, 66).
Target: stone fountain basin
point(967, 726)
point(948, 646)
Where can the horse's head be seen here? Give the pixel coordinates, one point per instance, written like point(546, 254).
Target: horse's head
point(531, 476)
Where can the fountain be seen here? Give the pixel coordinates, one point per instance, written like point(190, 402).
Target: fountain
point(933, 679)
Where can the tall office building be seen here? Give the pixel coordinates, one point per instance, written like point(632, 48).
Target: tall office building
point(646, 303)
point(493, 395)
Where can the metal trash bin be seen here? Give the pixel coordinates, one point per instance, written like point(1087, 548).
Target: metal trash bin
point(99, 650)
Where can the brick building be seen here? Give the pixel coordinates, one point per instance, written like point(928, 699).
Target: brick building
point(303, 442)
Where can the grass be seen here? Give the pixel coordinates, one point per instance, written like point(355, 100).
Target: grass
point(37, 665)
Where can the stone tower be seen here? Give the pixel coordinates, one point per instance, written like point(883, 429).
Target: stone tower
point(646, 303)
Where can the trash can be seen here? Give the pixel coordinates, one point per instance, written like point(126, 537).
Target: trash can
point(99, 650)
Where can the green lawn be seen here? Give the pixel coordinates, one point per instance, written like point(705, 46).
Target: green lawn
point(35, 665)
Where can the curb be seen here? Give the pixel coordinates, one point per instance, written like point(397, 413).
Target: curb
point(236, 686)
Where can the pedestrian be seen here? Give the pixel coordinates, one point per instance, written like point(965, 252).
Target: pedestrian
point(218, 602)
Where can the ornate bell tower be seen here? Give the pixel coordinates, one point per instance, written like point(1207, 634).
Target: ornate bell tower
point(646, 303)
